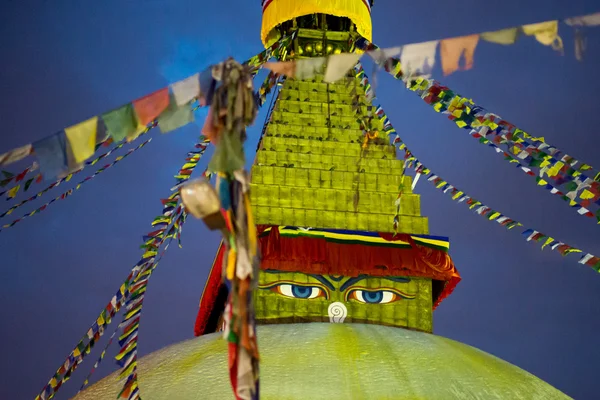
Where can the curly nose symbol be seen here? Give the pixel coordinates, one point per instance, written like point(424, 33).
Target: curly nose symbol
point(337, 312)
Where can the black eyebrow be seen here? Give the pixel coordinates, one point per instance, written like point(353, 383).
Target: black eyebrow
point(352, 281)
point(324, 281)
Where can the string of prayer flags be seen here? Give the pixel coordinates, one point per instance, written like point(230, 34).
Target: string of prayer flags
point(278, 49)
point(582, 191)
point(66, 178)
point(134, 283)
point(86, 381)
point(18, 179)
point(169, 226)
point(483, 210)
point(65, 194)
point(491, 130)
point(127, 121)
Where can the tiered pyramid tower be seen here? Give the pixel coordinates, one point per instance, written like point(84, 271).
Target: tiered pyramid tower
point(325, 183)
point(311, 169)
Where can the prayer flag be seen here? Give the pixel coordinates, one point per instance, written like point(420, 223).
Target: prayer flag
point(186, 90)
point(338, 65)
point(503, 36)
point(122, 123)
point(149, 107)
point(82, 139)
point(175, 116)
point(52, 155)
point(418, 59)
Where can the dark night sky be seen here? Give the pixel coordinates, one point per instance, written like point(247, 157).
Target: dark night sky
point(63, 62)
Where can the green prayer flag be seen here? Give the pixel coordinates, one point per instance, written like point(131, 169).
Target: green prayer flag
point(28, 183)
point(505, 36)
point(120, 122)
point(175, 116)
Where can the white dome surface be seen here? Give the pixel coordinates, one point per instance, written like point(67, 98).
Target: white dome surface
point(333, 361)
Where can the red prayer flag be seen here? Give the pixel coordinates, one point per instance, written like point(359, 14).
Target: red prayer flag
point(149, 107)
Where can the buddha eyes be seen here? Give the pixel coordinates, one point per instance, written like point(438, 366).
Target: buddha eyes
point(299, 291)
point(377, 296)
point(373, 297)
point(308, 291)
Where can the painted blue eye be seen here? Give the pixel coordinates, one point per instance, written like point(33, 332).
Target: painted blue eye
point(373, 297)
point(301, 292)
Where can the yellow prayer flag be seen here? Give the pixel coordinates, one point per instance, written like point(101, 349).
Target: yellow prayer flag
point(82, 139)
point(100, 320)
point(13, 192)
point(547, 242)
point(231, 264)
point(494, 216)
point(546, 33)
point(586, 194)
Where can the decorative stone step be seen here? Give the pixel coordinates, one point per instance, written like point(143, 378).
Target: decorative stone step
point(337, 121)
point(333, 200)
point(386, 166)
point(339, 220)
point(320, 97)
point(306, 146)
point(314, 178)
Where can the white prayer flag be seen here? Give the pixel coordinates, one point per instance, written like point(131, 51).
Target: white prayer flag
point(186, 90)
point(338, 65)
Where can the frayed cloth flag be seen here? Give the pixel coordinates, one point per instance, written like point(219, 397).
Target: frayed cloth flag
point(122, 123)
point(51, 153)
point(339, 65)
point(149, 107)
point(418, 59)
point(82, 139)
point(15, 155)
point(175, 116)
point(504, 36)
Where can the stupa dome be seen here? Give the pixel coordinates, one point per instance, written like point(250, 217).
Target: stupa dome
point(334, 361)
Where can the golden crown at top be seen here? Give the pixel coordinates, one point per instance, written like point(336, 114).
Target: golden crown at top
point(277, 13)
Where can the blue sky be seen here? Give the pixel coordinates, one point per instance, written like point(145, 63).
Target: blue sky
point(64, 63)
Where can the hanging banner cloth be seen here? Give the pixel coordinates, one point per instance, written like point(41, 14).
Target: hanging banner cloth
point(232, 108)
point(581, 183)
point(481, 209)
point(133, 287)
point(65, 151)
point(67, 178)
point(167, 226)
point(65, 194)
point(276, 12)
